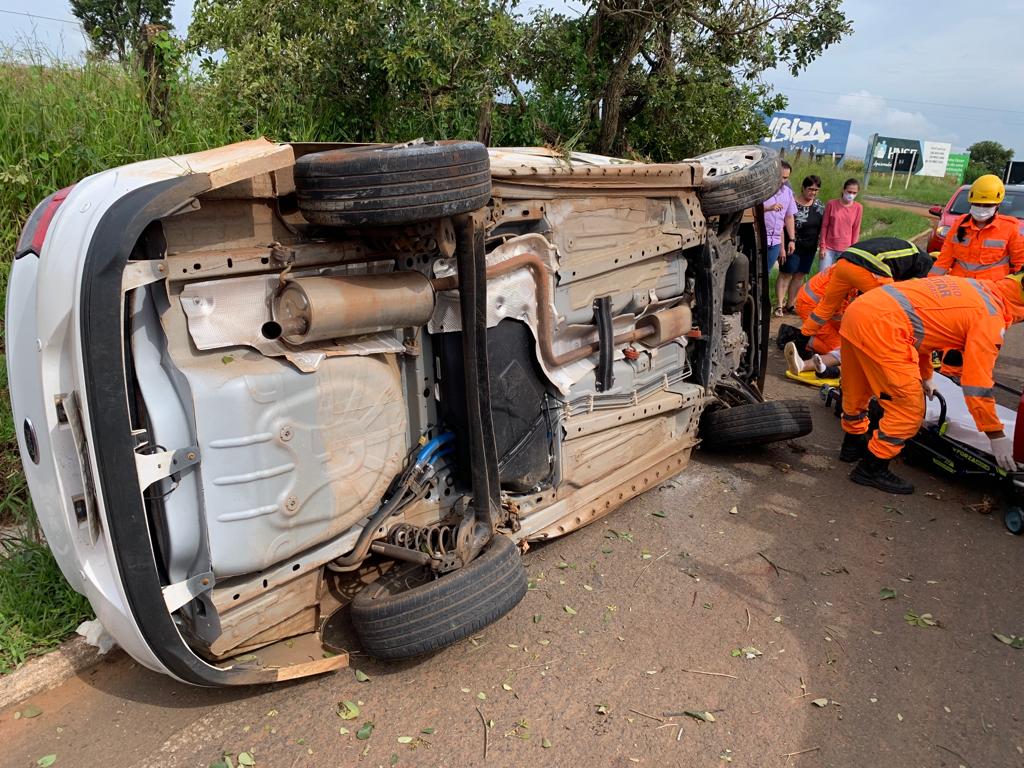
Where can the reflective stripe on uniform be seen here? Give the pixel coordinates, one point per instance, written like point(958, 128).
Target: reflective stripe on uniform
point(989, 392)
point(815, 319)
point(971, 266)
point(916, 326)
point(890, 439)
point(994, 244)
point(872, 259)
point(984, 296)
point(811, 294)
point(938, 271)
point(855, 416)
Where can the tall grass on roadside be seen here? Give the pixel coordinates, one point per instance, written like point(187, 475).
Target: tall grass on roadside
point(38, 609)
point(922, 189)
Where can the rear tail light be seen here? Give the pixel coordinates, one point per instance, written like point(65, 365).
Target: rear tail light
point(31, 240)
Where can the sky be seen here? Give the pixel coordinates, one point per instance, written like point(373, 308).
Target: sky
point(936, 70)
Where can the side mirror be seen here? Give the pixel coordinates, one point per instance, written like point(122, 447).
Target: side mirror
point(935, 210)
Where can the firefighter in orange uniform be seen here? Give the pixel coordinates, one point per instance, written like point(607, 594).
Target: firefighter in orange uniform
point(825, 343)
point(984, 244)
point(888, 336)
point(863, 266)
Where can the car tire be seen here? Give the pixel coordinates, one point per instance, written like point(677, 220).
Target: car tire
point(736, 178)
point(753, 424)
point(408, 613)
point(394, 185)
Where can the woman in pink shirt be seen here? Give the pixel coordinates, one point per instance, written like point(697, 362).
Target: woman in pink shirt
point(840, 226)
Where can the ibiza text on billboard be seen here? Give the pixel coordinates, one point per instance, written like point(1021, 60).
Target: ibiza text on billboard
point(796, 131)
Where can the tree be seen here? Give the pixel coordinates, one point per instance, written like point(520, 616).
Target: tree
point(354, 70)
point(671, 77)
point(987, 157)
point(117, 27)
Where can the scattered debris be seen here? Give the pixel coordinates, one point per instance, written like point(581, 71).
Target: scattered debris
point(644, 714)
point(712, 674)
point(30, 711)
point(920, 620)
point(659, 513)
point(1011, 640)
point(487, 728)
point(750, 652)
point(886, 593)
point(734, 511)
point(801, 752)
point(820, 702)
point(983, 507)
point(702, 715)
point(348, 710)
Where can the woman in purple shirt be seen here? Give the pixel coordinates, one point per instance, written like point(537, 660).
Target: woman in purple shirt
point(779, 213)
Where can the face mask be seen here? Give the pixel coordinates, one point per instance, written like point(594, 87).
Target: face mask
point(981, 213)
point(849, 196)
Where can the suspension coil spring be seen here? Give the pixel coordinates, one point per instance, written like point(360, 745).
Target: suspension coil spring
point(435, 540)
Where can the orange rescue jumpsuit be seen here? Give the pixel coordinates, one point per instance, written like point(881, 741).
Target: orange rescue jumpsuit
point(887, 340)
point(826, 339)
point(989, 252)
point(844, 277)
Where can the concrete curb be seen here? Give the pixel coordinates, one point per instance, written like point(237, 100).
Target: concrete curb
point(45, 672)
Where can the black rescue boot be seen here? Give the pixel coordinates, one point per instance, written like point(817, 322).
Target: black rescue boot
point(874, 471)
point(855, 448)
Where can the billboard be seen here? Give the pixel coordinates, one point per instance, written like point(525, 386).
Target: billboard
point(822, 135)
point(957, 166)
point(936, 158)
point(886, 149)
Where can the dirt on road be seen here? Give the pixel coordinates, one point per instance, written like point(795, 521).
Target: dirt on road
point(738, 615)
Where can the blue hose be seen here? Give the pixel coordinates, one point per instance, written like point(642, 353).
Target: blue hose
point(427, 452)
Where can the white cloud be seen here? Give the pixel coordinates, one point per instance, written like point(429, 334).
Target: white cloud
point(874, 113)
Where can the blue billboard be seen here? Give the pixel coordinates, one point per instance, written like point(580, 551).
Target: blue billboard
point(822, 135)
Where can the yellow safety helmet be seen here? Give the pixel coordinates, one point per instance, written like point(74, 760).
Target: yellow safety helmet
point(987, 190)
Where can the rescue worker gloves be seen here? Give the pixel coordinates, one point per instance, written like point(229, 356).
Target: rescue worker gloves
point(1002, 451)
point(987, 190)
point(929, 388)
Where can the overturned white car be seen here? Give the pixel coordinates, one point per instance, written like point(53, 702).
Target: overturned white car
point(269, 392)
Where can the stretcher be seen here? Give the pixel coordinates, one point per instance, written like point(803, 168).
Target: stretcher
point(949, 443)
point(811, 378)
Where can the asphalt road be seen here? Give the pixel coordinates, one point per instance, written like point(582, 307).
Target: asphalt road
point(775, 552)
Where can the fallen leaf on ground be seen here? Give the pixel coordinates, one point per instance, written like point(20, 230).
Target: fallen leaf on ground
point(364, 733)
point(886, 593)
point(707, 717)
point(506, 686)
point(244, 758)
point(602, 709)
point(30, 711)
point(659, 513)
point(750, 652)
point(820, 702)
point(405, 739)
point(348, 710)
point(481, 695)
point(545, 742)
point(734, 511)
point(362, 677)
point(1011, 640)
point(920, 620)
point(570, 610)
point(46, 761)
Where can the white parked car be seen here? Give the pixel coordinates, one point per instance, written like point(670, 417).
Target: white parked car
point(257, 385)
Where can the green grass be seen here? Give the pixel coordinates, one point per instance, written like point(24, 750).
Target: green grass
point(922, 189)
point(58, 124)
point(38, 608)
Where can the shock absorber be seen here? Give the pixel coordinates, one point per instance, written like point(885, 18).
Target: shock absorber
point(432, 545)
